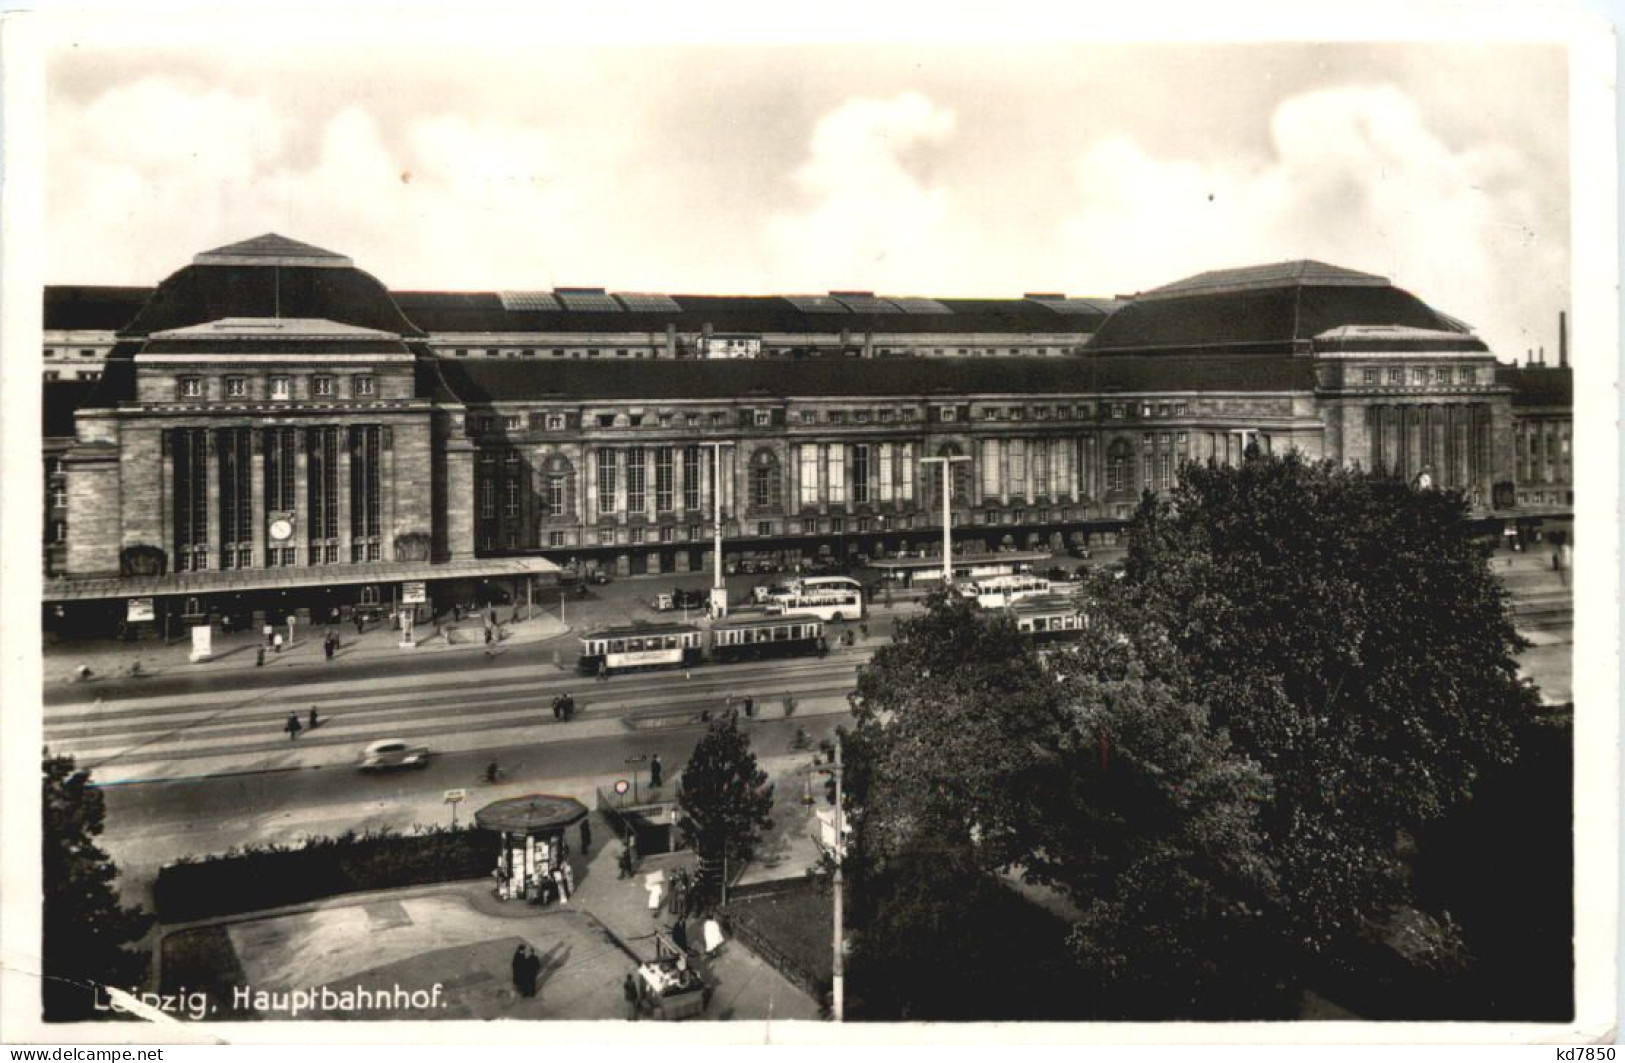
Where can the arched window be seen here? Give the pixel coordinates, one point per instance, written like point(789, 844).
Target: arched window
point(558, 487)
point(765, 480)
point(1119, 468)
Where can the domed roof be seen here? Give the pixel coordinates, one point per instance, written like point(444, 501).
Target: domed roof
point(1277, 307)
point(270, 276)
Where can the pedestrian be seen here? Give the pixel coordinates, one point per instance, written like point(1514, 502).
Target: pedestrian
point(259, 657)
point(655, 772)
point(327, 647)
point(629, 989)
point(488, 636)
point(268, 630)
point(624, 861)
point(276, 642)
point(292, 726)
point(558, 707)
point(586, 838)
point(750, 707)
point(519, 964)
point(491, 615)
point(360, 623)
point(603, 671)
point(863, 629)
point(568, 707)
point(314, 718)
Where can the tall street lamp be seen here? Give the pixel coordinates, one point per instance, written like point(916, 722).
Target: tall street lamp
point(947, 461)
point(719, 589)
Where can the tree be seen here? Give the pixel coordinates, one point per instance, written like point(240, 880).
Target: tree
point(1349, 637)
point(87, 933)
point(1152, 829)
point(725, 799)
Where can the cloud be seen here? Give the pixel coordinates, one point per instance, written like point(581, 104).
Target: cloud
point(874, 221)
point(1355, 176)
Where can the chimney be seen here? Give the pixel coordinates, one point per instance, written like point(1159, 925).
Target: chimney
point(1563, 339)
point(1542, 358)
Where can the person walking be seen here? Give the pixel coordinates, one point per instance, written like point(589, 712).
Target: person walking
point(327, 647)
point(259, 657)
point(558, 707)
point(292, 726)
point(314, 718)
point(276, 642)
point(656, 771)
point(360, 623)
point(519, 964)
point(624, 861)
point(603, 671)
point(629, 990)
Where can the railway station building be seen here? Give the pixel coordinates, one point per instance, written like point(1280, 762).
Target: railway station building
point(271, 427)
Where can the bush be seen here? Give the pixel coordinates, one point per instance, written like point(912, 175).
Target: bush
point(270, 876)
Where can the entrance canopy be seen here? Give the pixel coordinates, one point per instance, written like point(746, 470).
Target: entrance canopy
point(531, 814)
point(278, 579)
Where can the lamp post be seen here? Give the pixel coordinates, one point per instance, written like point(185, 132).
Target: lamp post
point(838, 965)
point(947, 461)
point(719, 589)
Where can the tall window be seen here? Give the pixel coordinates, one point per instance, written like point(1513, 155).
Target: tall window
point(553, 496)
point(485, 486)
point(764, 479)
point(691, 477)
point(990, 467)
point(513, 479)
point(636, 496)
point(1040, 460)
point(860, 473)
point(1118, 457)
point(189, 459)
point(663, 479)
point(606, 481)
point(322, 466)
point(887, 484)
point(1165, 463)
point(281, 388)
point(279, 463)
point(191, 387)
point(236, 499)
point(837, 473)
point(808, 474)
point(906, 487)
point(1018, 467)
point(365, 494)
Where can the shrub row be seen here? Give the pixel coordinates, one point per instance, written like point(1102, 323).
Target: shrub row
point(252, 878)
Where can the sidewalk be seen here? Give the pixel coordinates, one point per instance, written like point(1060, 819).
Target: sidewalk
point(235, 651)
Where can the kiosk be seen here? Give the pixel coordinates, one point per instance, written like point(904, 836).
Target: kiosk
point(531, 858)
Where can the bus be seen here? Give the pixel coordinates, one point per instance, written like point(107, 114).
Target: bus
point(639, 646)
point(996, 592)
point(829, 598)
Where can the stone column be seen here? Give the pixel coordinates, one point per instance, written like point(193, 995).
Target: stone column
point(460, 498)
point(166, 497)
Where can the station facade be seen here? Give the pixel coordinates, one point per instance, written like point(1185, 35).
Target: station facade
point(272, 421)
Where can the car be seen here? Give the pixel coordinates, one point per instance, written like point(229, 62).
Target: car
point(390, 753)
point(683, 598)
point(598, 575)
point(1079, 551)
point(1058, 574)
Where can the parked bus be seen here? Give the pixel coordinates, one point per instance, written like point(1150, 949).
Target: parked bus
point(639, 646)
point(829, 598)
point(996, 592)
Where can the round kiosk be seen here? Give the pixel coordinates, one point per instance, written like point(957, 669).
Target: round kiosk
point(531, 863)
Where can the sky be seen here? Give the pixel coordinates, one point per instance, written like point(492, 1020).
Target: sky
point(948, 169)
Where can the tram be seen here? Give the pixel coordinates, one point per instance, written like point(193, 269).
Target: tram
point(650, 646)
point(1049, 618)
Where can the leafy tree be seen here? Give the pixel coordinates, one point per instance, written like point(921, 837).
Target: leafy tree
point(87, 933)
point(725, 799)
point(1152, 829)
point(1349, 636)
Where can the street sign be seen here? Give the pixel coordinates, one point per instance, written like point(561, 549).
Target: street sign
point(454, 796)
point(621, 786)
point(641, 758)
point(415, 592)
point(138, 609)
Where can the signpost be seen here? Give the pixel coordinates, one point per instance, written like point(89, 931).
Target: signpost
point(641, 758)
point(414, 592)
point(454, 798)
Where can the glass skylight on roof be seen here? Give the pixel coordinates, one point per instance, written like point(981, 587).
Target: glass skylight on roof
point(815, 304)
point(1062, 305)
point(527, 301)
point(648, 302)
point(914, 304)
point(593, 299)
point(866, 304)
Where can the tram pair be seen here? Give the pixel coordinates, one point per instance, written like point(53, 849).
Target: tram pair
point(639, 646)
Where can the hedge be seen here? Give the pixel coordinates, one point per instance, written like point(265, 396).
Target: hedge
point(253, 878)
